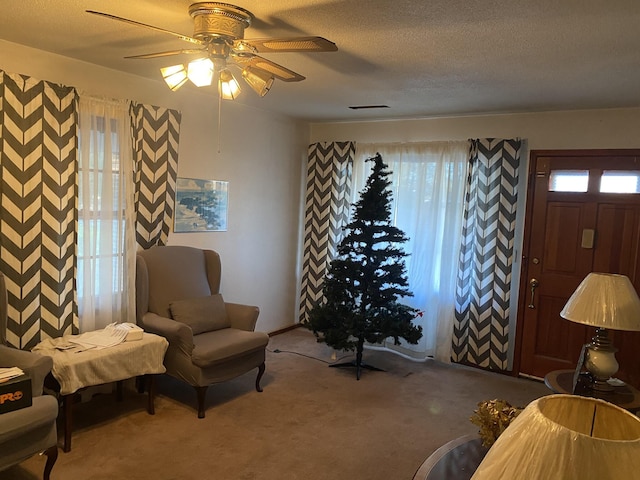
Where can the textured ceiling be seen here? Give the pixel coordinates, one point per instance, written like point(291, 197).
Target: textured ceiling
point(421, 58)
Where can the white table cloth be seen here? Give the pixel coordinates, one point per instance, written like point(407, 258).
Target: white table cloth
point(76, 370)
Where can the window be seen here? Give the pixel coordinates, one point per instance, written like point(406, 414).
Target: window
point(617, 181)
point(99, 179)
point(428, 183)
point(106, 250)
point(569, 181)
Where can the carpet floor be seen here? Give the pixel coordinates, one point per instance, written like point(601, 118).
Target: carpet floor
point(311, 422)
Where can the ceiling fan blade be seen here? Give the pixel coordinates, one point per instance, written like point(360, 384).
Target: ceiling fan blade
point(168, 54)
point(297, 44)
point(273, 68)
point(157, 29)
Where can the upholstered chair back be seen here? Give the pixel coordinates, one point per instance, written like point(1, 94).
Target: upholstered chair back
point(210, 340)
point(170, 273)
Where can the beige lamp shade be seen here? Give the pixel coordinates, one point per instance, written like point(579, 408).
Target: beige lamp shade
point(228, 86)
point(200, 72)
point(175, 76)
point(566, 437)
point(604, 300)
point(259, 80)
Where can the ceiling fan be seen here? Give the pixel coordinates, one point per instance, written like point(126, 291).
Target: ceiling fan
point(219, 42)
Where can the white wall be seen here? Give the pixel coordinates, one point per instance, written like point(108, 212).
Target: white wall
point(261, 156)
point(614, 128)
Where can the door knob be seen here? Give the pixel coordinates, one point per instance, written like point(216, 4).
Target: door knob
point(533, 283)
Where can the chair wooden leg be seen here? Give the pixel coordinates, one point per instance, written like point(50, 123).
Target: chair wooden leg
point(52, 456)
point(67, 406)
point(261, 370)
point(202, 394)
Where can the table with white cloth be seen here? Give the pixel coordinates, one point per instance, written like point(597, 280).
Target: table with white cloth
point(74, 369)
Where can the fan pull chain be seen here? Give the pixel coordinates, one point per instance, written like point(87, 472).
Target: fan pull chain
point(219, 119)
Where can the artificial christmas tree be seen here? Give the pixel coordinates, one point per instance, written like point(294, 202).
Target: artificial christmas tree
point(365, 280)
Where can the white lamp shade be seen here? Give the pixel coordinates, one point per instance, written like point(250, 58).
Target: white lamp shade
point(259, 80)
point(228, 86)
point(566, 437)
point(175, 76)
point(604, 300)
point(200, 72)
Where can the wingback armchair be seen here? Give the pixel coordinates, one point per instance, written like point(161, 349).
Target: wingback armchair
point(210, 340)
point(30, 430)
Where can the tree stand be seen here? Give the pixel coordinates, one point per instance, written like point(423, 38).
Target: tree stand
point(358, 367)
point(357, 363)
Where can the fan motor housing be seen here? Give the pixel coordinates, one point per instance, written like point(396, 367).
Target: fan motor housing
point(214, 19)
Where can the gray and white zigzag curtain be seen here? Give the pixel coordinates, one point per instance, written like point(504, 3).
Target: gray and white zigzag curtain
point(481, 328)
point(156, 133)
point(329, 171)
point(39, 200)
point(38, 211)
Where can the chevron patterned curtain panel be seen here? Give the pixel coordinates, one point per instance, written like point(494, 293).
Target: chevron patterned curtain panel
point(329, 170)
point(481, 328)
point(156, 133)
point(38, 173)
point(39, 191)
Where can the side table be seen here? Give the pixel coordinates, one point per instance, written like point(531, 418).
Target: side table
point(455, 460)
point(74, 370)
point(625, 396)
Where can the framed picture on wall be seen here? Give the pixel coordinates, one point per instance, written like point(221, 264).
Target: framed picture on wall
point(201, 205)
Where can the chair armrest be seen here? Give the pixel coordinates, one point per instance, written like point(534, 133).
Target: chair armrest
point(242, 317)
point(33, 364)
point(26, 423)
point(177, 334)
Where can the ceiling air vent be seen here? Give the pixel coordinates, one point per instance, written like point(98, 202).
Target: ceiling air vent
point(362, 107)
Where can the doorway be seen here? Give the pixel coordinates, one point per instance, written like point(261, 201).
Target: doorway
point(583, 215)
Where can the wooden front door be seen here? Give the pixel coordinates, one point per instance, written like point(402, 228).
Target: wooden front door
point(583, 215)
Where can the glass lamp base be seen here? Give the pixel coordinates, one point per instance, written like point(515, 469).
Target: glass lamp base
point(601, 361)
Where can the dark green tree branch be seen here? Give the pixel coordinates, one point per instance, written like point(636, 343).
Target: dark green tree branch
point(368, 276)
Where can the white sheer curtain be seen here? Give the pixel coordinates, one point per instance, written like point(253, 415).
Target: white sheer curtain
point(428, 181)
point(106, 234)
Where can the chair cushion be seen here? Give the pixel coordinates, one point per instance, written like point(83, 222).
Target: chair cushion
point(202, 314)
point(219, 346)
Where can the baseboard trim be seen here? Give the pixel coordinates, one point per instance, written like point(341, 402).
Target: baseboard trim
point(285, 329)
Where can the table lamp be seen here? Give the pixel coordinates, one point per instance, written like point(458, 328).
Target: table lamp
point(565, 437)
point(605, 301)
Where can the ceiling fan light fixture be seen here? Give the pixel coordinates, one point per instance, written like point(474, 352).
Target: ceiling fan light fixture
point(200, 72)
point(228, 86)
point(219, 35)
point(174, 76)
point(259, 80)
